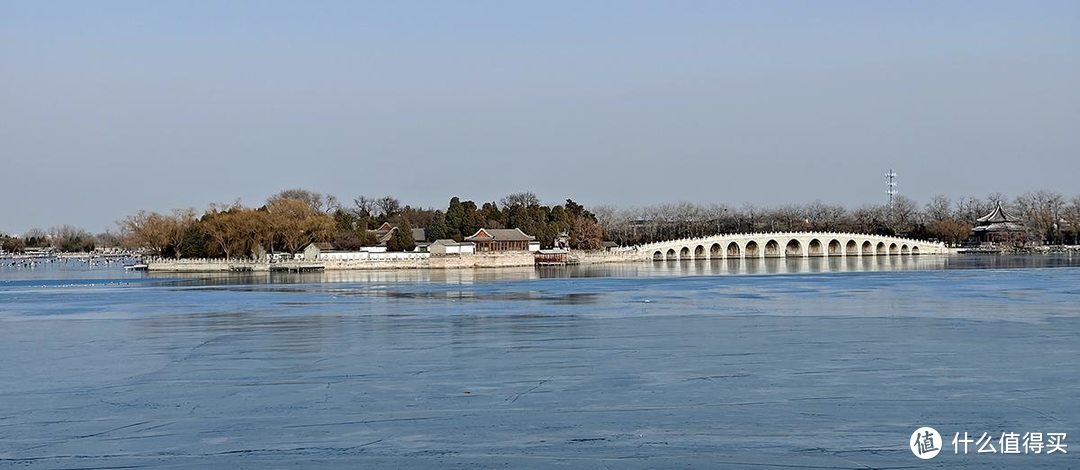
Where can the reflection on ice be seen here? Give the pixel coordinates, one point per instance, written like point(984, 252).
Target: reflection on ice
point(753, 266)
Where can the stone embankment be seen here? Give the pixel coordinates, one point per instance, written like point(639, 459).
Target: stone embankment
point(597, 257)
point(484, 260)
point(470, 261)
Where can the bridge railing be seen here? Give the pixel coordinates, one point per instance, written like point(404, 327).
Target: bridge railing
point(159, 259)
point(687, 240)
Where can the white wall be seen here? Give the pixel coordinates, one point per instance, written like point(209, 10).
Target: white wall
point(369, 255)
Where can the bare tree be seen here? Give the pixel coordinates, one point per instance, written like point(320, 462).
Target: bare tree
point(364, 206)
point(108, 239)
point(36, 237)
point(177, 226)
point(312, 198)
point(970, 208)
point(388, 206)
point(288, 219)
point(951, 231)
point(1041, 211)
point(331, 203)
point(522, 199)
point(586, 234)
point(1071, 216)
point(939, 208)
point(70, 239)
point(226, 227)
point(146, 230)
point(903, 215)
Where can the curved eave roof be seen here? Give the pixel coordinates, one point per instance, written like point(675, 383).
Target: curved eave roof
point(998, 215)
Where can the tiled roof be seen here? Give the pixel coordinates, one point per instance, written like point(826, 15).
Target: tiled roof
point(500, 234)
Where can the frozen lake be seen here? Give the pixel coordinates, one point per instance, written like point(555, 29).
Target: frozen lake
point(799, 363)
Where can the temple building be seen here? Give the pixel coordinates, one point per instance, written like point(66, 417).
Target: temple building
point(511, 239)
point(998, 227)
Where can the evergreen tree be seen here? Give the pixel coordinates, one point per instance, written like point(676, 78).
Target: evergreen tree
point(437, 228)
point(402, 239)
point(455, 219)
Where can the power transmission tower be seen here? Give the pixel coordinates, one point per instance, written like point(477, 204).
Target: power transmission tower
point(890, 185)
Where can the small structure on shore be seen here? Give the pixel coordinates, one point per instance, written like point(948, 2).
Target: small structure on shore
point(998, 227)
point(555, 257)
point(508, 239)
point(448, 246)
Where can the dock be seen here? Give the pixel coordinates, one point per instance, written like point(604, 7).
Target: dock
point(553, 258)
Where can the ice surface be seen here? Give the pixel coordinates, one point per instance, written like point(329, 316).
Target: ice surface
point(614, 367)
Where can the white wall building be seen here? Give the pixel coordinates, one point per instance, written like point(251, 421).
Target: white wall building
point(450, 247)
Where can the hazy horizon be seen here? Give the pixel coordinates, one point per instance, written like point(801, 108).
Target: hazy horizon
point(112, 107)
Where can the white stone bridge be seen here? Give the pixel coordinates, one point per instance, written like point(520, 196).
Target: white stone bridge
point(787, 245)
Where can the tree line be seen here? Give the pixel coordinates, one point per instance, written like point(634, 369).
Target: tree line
point(1048, 216)
point(61, 238)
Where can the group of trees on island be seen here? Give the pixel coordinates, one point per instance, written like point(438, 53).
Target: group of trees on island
point(62, 238)
point(291, 219)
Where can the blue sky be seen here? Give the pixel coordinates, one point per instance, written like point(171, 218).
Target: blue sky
point(111, 107)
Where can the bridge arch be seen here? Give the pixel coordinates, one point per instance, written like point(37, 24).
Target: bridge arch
point(794, 248)
point(904, 250)
point(699, 252)
point(867, 248)
point(671, 256)
point(893, 250)
point(834, 248)
point(684, 253)
point(814, 248)
point(772, 249)
point(852, 248)
point(914, 250)
point(752, 249)
point(733, 250)
point(880, 249)
point(716, 251)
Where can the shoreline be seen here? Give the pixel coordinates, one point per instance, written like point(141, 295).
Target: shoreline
point(445, 262)
point(455, 262)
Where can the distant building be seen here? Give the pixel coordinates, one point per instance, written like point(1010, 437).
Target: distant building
point(386, 231)
point(497, 240)
point(313, 250)
point(451, 247)
point(998, 227)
